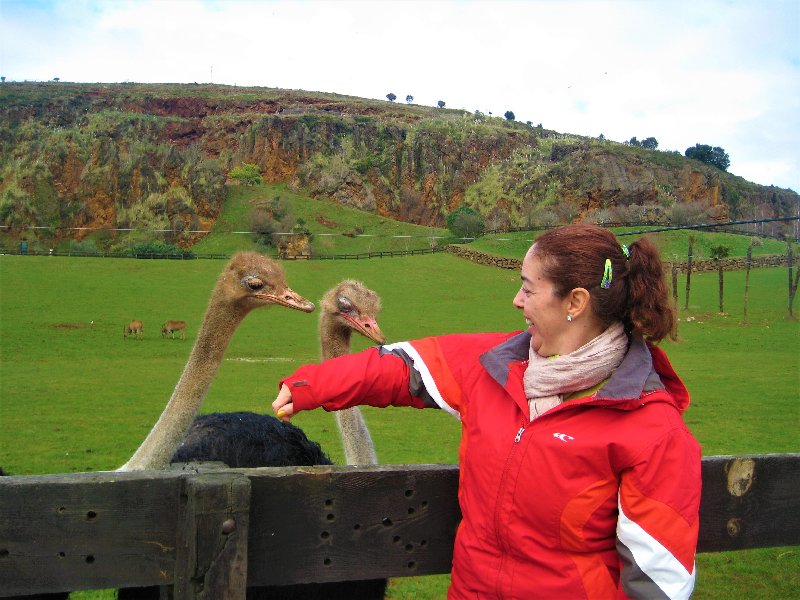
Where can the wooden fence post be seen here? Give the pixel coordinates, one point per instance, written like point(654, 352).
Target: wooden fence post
point(213, 524)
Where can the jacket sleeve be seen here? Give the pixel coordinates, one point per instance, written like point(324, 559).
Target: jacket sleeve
point(424, 373)
point(657, 528)
point(372, 377)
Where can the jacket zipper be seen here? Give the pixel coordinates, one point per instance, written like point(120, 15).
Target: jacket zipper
point(501, 540)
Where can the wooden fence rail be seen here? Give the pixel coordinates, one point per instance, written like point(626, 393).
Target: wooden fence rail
point(210, 532)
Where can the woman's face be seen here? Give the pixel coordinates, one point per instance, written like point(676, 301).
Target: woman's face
point(545, 313)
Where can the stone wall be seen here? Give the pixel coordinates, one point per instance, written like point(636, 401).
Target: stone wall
point(698, 266)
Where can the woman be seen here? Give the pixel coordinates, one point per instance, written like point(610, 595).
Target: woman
point(579, 478)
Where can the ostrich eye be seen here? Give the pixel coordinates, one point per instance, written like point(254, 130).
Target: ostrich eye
point(344, 304)
point(253, 283)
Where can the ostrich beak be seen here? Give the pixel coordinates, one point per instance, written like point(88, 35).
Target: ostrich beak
point(368, 327)
point(290, 299)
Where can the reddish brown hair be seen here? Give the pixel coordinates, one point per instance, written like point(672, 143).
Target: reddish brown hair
point(574, 256)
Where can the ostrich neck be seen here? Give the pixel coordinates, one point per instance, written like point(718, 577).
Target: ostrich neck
point(215, 334)
point(359, 448)
point(334, 338)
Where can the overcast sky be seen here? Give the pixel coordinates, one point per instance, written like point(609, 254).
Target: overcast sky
point(723, 73)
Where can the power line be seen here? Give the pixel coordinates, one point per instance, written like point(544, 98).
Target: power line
point(284, 233)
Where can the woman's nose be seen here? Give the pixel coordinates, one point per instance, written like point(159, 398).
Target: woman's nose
point(518, 302)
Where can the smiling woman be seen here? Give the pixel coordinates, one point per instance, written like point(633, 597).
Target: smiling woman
point(581, 404)
point(71, 398)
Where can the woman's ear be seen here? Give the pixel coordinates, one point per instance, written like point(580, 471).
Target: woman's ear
point(577, 301)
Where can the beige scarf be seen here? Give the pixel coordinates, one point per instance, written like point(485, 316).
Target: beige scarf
point(548, 380)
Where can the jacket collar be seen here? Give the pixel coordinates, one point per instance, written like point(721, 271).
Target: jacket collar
point(635, 375)
point(497, 361)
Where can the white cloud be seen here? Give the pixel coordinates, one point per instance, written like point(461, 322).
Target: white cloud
point(721, 72)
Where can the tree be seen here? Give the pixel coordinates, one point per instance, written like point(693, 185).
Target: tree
point(718, 253)
point(650, 143)
point(391, 97)
point(633, 142)
point(792, 283)
point(675, 283)
point(716, 156)
point(409, 99)
point(509, 115)
point(440, 103)
point(747, 264)
point(465, 222)
point(689, 271)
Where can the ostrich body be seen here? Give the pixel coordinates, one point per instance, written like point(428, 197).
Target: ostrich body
point(348, 307)
point(248, 440)
point(248, 281)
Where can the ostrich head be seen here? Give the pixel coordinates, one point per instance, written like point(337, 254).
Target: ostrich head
point(251, 280)
point(351, 306)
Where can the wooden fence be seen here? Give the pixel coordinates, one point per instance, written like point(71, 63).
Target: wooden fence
point(211, 532)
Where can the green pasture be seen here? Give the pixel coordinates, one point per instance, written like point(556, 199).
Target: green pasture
point(334, 227)
point(76, 396)
point(673, 245)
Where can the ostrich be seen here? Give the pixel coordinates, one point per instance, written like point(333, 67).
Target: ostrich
point(247, 282)
point(350, 306)
point(241, 439)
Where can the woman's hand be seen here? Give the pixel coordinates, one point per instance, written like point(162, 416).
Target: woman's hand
point(283, 407)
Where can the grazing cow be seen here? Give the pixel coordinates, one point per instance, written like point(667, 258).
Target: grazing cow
point(134, 328)
point(170, 327)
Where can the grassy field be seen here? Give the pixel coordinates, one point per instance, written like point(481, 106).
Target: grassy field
point(327, 220)
point(673, 245)
point(76, 396)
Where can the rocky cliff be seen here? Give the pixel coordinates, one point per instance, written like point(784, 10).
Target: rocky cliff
point(157, 156)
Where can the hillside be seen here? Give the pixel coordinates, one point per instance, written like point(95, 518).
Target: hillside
point(89, 158)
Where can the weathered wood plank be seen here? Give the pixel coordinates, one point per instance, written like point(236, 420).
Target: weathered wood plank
point(352, 523)
point(211, 560)
point(86, 530)
point(107, 530)
point(750, 502)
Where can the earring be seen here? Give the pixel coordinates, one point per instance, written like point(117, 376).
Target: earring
point(569, 318)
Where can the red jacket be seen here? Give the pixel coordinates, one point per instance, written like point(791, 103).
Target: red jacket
point(597, 498)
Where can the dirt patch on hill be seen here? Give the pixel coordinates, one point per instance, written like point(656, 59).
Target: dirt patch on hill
point(326, 222)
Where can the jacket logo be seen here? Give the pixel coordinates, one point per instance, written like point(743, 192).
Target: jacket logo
point(563, 437)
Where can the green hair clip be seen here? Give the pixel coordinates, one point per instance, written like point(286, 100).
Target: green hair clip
point(625, 251)
point(607, 275)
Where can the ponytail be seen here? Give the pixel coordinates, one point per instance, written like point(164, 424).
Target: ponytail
point(650, 312)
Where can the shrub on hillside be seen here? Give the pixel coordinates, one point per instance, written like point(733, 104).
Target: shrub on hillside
point(246, 174)
point(159, 250)
point(86, 247)
point(270, 218)
point(465, 222)
point(689, 213)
